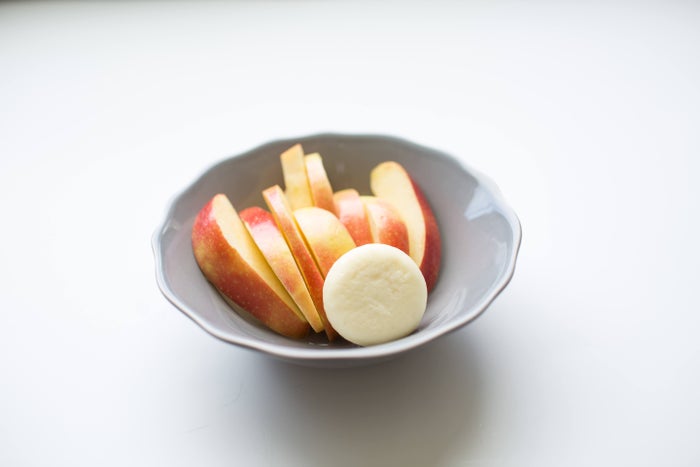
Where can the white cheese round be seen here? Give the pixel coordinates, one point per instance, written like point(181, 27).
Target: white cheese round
point(374, 293)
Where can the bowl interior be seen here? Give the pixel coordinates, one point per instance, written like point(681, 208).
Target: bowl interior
point(480, 237)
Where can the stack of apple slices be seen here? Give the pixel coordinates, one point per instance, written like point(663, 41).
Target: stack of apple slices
point(273, 263)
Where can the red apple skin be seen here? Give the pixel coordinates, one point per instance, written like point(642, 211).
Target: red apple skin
point(324, 234)
point(225, 267)
point(389, 180)
point(320, 186)
point(351, 212)
point(430, 266)
point(274, 248)
point(389, 228)
point(282, 212)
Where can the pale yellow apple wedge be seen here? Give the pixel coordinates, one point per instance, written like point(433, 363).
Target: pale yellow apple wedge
point(385, 223)
point(296, 181)
point(274, 248)
point(282, 212)
point(320, 186)
point(326, 237)
point(232, 262)
point(389, 180)
point(352, 214)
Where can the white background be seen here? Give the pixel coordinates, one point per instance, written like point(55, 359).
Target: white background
point(586, 116)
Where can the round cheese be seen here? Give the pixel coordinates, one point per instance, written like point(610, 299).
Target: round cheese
point(374, 293)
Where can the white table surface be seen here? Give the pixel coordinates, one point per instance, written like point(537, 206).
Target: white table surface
point(587, 117)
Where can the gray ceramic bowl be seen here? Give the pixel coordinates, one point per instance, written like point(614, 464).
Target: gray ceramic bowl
point(480, 234)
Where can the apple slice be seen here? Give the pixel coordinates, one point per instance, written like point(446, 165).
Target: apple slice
point(284, 217)
point(274, 248)
point(351, 212)
point(385, 223)
point(325, 235)
point(389, 180)
point(320, 186)
point(296, 182)
point(231, 261)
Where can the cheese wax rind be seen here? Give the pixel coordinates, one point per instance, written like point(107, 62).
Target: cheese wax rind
point(374, 293)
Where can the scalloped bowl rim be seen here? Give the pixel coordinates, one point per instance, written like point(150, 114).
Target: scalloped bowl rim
point(352, 353)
